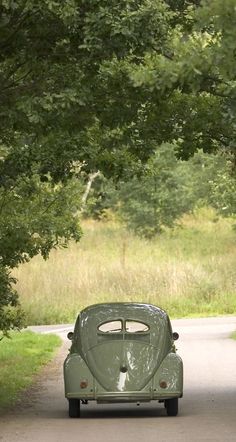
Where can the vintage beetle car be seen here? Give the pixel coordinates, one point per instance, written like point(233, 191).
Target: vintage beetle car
point(123, 352)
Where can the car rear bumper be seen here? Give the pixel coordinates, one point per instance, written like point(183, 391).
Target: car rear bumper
point(118, 397)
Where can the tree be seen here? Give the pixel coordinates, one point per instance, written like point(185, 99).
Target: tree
point(35, 217)
point(11, 315)
point(211, 181)
point(103, 85)
point(158, 197)
point(56, 116)
point(167, 188)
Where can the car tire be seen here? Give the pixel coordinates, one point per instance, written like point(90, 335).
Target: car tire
point(172, 406)
point(74, 407)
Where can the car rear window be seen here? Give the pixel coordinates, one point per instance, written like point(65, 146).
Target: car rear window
point(111, 327)
point(136, 327)
point(123, 329)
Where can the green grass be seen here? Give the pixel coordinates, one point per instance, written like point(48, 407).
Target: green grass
point(20, 359)
point(233, 336)
point(189, 271)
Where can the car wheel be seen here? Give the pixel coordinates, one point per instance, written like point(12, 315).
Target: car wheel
point(74, 407)
point(172, 406)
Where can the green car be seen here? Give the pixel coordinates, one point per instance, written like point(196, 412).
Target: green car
point(123, 352)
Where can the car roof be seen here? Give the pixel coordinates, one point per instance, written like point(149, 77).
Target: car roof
point(92, 317)
point(122, 309)
point(96, 314)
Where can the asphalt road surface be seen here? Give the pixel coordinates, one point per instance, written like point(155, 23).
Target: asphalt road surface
point(207, 410)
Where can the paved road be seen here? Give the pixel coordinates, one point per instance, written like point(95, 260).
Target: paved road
point(207, 410)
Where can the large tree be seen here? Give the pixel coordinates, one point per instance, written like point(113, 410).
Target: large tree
point(92, 84)
point(62, 113)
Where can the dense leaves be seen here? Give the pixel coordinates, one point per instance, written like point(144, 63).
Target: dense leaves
point(201, 69)
point(62, 78)
point(158, 198)
point(35, 217)
point(11, 315)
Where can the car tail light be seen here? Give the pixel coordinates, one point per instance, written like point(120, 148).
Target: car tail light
point(163, 384)
point(84, 384)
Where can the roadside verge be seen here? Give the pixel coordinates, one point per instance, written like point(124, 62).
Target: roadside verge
point(21, 358)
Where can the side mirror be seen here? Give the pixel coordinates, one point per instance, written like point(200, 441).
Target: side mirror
point(70, 335)
point(175, 336)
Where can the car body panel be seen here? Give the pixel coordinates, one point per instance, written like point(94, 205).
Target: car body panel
point(123, 365)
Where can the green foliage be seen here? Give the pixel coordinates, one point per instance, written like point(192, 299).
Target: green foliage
point(103, 197)
point(166, 188)
point(129, 85)
point(35, 217)
point(212, 181)
point(62, 77)
point(11, 316)
point(201, 70)
point(170, 187)
point(158, 197)
point(138, 73)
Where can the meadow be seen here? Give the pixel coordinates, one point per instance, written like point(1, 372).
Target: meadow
point(189, 271)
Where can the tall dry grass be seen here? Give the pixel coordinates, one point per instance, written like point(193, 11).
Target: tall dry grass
point(188, 271)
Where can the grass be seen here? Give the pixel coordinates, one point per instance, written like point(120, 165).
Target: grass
point(233, 336)
point(189, 271)
point(20, 359)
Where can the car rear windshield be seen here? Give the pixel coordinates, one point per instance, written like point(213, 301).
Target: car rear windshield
point(118, 326)
point(110, 327)
point(136, 327)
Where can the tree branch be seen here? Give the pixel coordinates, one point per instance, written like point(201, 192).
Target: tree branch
point(16, 82)
point(5, 44)
point(91, 179)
